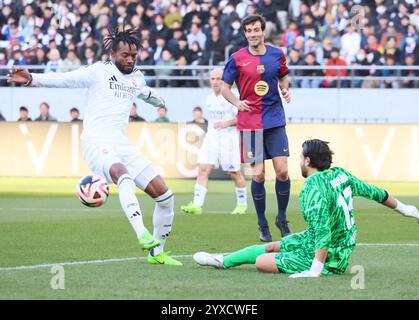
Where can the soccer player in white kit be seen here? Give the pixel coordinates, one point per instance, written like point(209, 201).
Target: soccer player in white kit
point(112, 87)
point(220, 147)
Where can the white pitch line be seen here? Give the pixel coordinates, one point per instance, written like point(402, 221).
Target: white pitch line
point(77, 263)
point(87, 210)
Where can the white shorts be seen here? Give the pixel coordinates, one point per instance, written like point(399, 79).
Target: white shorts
point(221, 150)
point(101, 155)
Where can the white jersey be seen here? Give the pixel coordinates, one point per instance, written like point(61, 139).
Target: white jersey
point(219, 110)
point(110, 95)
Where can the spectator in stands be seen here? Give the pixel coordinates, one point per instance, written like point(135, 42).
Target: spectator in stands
point(196, 53)
point(235, 36)
point(55, 63)
point(71, 62)
point(214, 54)
point(268, 9)
point(332, 75)
point(182, 49)
point(314, 47)
point(182, 61)
point(295, 60)
point(360, 60)
point(172, 15)
point(159, 48)
point(162, 115)
point(390, 83)
point(409, 60)
point(75, 115)
point(40, 58)
point(391, 32)
point(159, 30)
point(289, 36)
point(299, 45)
point(133, 115)
point(196, 35)
point(89, 56)
point(350, 44)
point(310, 61)
point(166, 60)
point(198, 118)
point(44, 113)
point(18, 58)
point(390, 49)
point(24, 114)
point(174, 40)
point(410, 41)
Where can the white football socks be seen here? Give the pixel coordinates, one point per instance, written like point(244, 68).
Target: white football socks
point(199, 195)
point(163, 219)
point(241, 196)
point(129, 203)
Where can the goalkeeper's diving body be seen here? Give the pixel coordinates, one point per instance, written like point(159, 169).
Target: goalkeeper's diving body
point(112, 87)
point(326, 204)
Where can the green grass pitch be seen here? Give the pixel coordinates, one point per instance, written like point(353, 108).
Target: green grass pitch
point(42, 224)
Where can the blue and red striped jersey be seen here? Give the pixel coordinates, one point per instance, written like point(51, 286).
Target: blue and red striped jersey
point(256, 77)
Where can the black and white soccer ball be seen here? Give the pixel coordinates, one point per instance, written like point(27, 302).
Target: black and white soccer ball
point(92, 190)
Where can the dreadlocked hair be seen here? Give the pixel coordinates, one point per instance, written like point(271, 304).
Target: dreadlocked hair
point(130, 36)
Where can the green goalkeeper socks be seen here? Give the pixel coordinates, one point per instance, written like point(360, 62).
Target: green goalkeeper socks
point(247, 255)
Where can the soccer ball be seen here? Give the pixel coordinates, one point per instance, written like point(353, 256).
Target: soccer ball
point(92, 190)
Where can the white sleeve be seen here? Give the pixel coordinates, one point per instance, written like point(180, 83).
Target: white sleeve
point(149, 95)
point(80, 78)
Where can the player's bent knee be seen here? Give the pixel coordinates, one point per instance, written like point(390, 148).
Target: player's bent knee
point(116, 171)
point(282, 175)
point(266, 263)
point(166, 200)
point(272, 247)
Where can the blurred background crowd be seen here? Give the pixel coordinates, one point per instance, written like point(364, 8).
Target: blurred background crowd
point(64, 34)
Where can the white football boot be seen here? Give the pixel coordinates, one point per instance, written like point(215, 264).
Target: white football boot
point(208, 259)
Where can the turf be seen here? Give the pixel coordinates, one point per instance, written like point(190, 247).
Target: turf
point(42, 223)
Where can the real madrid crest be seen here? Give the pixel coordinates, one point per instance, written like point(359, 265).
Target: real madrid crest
point(260, 68)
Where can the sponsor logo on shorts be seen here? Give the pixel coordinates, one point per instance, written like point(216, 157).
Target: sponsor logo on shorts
point(250, 154)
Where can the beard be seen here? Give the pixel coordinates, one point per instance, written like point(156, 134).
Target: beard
point(123, 69)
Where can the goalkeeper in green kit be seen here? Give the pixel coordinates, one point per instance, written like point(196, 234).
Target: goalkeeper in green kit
point(327, 207)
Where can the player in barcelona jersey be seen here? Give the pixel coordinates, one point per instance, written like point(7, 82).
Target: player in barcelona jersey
point(326, 201)
point(111, 89)
point(260, 72)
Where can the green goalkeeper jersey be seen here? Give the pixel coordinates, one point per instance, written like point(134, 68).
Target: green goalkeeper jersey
point(326, 201)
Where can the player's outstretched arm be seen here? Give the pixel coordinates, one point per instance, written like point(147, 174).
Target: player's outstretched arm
point(400, 207)
point(80, 78)
point(150, 96)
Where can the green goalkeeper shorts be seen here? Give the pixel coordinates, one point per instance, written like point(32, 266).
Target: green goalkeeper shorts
point(295, 256)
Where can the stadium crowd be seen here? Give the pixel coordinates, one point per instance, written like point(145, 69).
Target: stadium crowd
point(64, 34)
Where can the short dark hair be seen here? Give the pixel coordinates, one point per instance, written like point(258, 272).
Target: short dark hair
point(23, 108)
point(74, 110)
point(163, 107)
point(319, 153)
point(252, 19)
point(197, 108)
